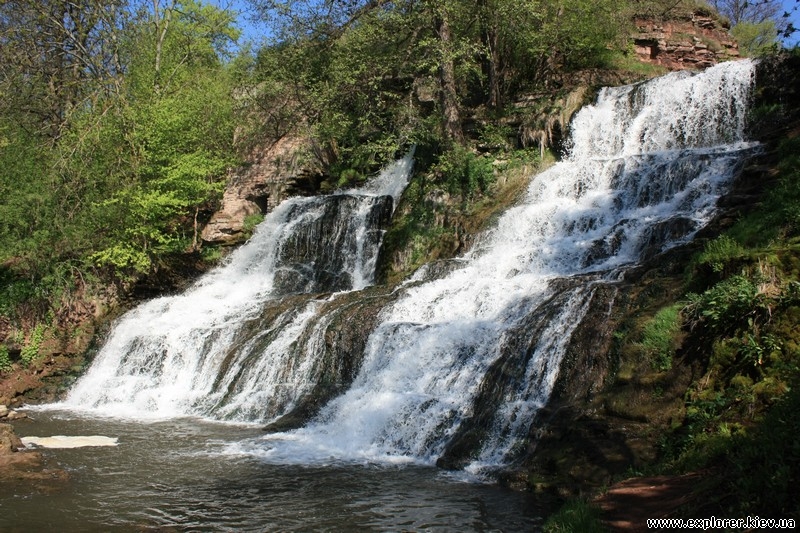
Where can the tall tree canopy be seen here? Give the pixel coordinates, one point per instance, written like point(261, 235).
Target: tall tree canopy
point(370, 66)
point(116, 127)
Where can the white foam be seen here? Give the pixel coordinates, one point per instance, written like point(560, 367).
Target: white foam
point(66, 441)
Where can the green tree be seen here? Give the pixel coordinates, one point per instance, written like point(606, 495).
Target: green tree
point(756, 38)
point(367, 59)
point(116, 129)
point(176, 121)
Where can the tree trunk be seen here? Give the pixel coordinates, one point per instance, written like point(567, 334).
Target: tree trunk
point(447, 78)
point(492, 66)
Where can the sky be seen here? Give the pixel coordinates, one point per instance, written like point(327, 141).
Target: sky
point(793, 8)
point(251, 31)
point(255, 32)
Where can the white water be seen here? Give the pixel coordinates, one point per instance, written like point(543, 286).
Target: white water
point(645, 168)
point(163, 358)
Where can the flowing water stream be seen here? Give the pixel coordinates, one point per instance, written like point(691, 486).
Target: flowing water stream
point(355, 380)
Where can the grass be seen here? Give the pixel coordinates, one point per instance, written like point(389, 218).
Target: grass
point(573, 516)
point(660, 336)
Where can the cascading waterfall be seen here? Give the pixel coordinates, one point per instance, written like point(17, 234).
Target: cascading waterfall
point(192, 354)
point(459, 361)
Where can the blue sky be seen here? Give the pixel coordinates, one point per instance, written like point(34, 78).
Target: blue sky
point(250, 31)
point(793, 7)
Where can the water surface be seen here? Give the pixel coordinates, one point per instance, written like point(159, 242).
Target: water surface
point(176, 475)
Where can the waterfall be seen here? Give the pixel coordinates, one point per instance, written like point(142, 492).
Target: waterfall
point(196, 354)
point(459, 361)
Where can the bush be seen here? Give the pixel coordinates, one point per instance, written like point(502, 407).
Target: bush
point(31, 350)
point(728, 306)
point(719, 252)
point(463, 172)
point(5, 360)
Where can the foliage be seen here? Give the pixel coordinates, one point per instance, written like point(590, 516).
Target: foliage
point(575, 515)
point(5, 360)
point(729, 306)
point(659, 336)
point(463, 172)
point(720, 252)
point(368, 77)
point(428, 226)
point(745, 325)
point(113, 175)
point(758, 467)
point(769, 490)
point(250, 223)
point(756, 39)
point(31, 350)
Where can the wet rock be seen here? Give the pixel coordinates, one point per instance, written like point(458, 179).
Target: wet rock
point(15, 415)
point(9, 442)
point(24, 471)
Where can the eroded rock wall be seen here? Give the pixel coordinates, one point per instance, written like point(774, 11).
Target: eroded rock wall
point(695, 41)
point(272, 174)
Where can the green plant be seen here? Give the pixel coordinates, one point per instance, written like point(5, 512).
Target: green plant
point(719, 252)
point(463, 172)
point(728, 305)
point(5, 360)
point(250, 223)
point(212, 254)
point(31, 350)
point(659, 336)
point(575, 515)
point(497, 136)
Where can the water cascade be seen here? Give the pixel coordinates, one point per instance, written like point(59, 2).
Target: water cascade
point(458, 359)
point(199, 353)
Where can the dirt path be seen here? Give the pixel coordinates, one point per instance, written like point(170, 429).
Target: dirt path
point(628, 504)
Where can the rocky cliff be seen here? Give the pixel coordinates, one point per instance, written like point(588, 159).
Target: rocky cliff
point(272, 174)
point(693, 41)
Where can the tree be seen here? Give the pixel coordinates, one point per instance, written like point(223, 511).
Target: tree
point(474, 51)
point(176, 120)
point(750, 11)
point(56, 57)
point(756, 38)
point(755, 24)
point(115, 130)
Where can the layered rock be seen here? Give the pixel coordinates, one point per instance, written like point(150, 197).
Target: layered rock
point(695, 41)
point(273, 174)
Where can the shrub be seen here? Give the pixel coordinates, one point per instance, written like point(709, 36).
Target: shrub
point(463, 172)
point(5, 360)
point(719, 252)
point(31, 350)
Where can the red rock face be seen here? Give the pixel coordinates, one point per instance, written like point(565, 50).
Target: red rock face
point(695, 42)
